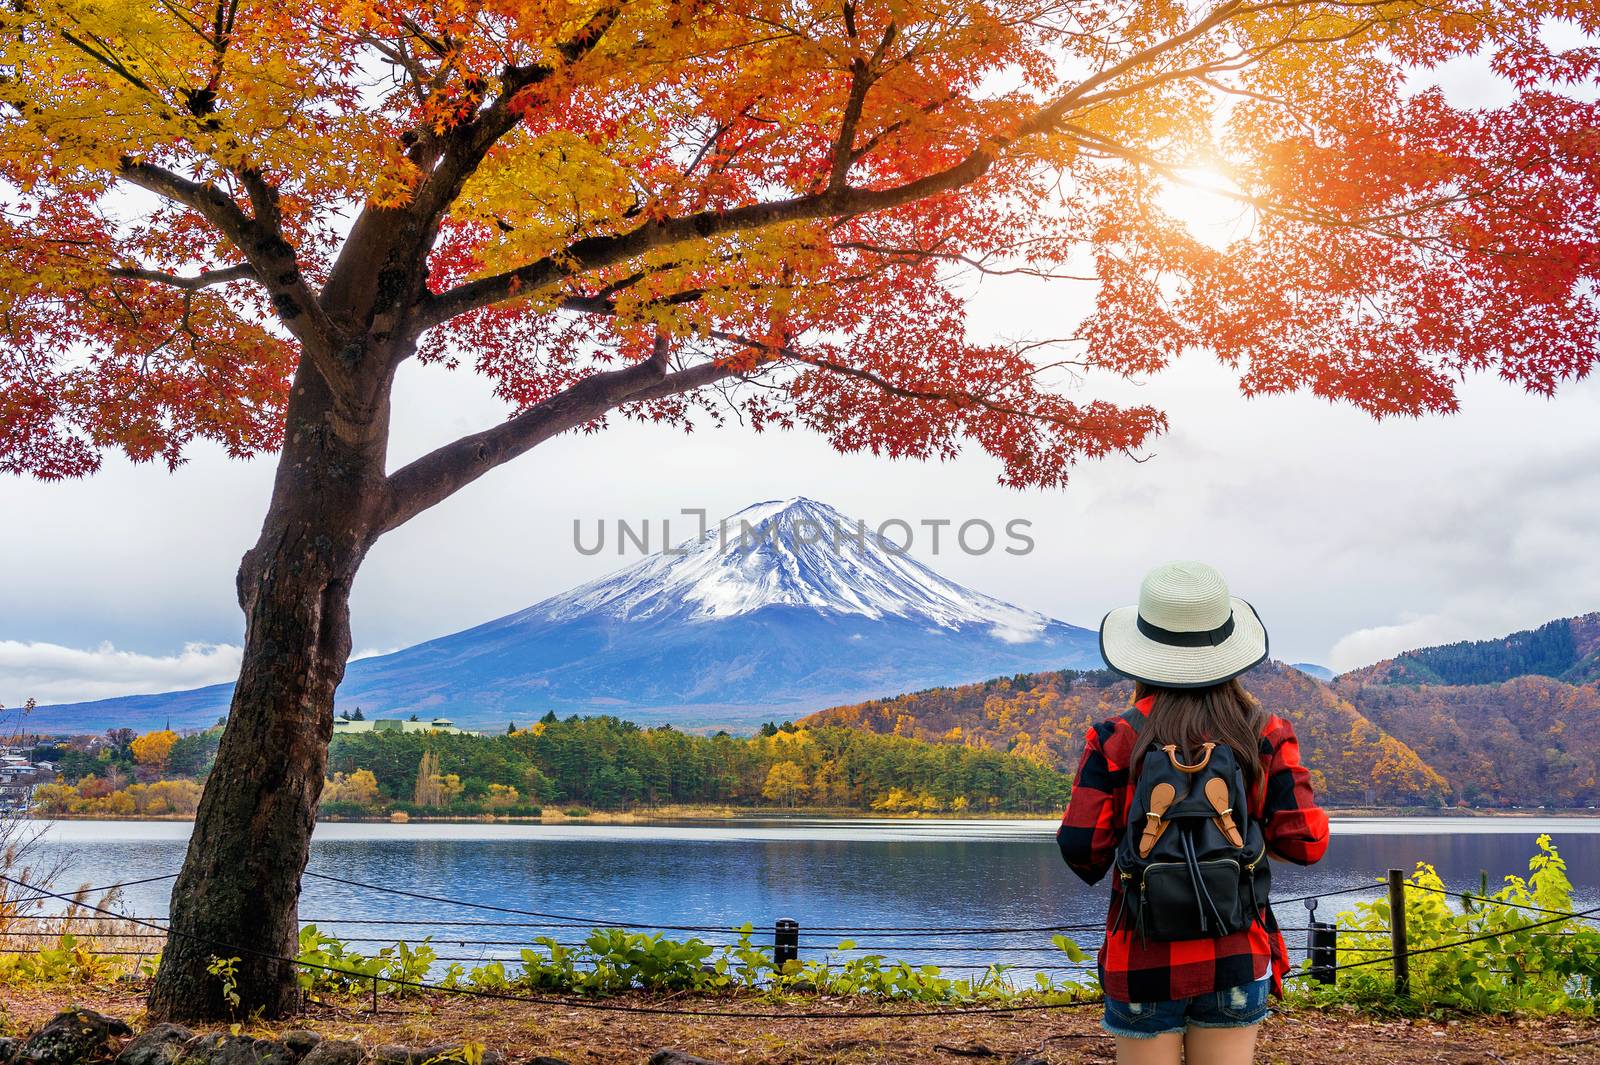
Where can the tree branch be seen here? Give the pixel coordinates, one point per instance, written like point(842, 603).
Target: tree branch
point(952, 397)
point(443, 472)
point(204, 279)
point(595, 253)
point(270, 257)
point(384, 238)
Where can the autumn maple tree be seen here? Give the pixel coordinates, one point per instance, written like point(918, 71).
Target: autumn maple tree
point(236, 220)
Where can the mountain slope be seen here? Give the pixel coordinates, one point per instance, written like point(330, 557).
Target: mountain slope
point(1045, 716)
point(1509, 721)
point(1567, 650)
point(1529, 741)
point(783, 607)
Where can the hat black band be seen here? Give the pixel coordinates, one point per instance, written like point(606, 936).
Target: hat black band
point(1173, 638)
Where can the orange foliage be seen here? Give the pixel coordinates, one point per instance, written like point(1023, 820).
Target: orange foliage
point(1044, 716)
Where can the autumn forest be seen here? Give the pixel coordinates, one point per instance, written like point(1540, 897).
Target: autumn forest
point(1495, 723)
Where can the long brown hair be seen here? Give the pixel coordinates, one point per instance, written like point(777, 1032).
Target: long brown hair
point(1188, 717)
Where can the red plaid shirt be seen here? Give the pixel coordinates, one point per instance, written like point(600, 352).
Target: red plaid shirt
point(1133, 969)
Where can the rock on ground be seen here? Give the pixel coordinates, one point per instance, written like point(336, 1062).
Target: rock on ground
point(161, 1044)
point(677, 1057)
point(335, 1052)
point(220, 1048)
point(71, 1037)
point(301, 1041)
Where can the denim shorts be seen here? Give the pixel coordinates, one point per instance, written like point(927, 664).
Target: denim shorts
point(1232, 1007)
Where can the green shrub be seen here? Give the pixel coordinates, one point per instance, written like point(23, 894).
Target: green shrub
point(613, 960)
point(1553, 967)
point(68, 961)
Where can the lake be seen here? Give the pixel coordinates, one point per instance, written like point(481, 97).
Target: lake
point(826, 874)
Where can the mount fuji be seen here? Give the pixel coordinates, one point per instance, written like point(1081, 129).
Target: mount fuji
point(783, 608)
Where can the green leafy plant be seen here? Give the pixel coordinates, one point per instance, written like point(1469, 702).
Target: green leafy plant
point(490, 976)
point(406, 966)
point(465, 1054)
point(226, 970)
point(1520, 959)
point(67, 960)
point(326, 963)
point(613, 960)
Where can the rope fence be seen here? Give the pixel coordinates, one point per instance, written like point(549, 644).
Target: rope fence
point(1322, 944)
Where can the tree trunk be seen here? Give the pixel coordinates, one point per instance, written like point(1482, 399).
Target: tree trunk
point(238, 894)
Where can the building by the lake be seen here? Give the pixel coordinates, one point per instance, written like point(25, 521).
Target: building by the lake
point(19, 775)
point(347, 726)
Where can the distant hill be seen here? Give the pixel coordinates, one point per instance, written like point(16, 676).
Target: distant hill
point(1507, 722)
point(1311, 669)
point(794, 606)
point(1045, 715)
point(1529, 741)
point(1567, 650)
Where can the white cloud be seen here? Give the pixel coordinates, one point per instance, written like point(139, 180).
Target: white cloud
point(1354, 539)
point(1365, 646)
point(52, 673)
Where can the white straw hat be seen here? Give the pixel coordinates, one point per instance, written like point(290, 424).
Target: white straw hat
point(1185, 632)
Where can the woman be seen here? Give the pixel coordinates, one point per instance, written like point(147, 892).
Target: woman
point(1184, 645)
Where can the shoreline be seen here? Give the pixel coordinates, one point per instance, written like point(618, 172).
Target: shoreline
point(659, 814)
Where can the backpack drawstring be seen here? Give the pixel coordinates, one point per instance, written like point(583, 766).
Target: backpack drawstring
point(1122, 910)
point(1202, 893)
point(1193, 865)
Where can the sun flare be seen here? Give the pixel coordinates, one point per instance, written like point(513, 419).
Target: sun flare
point(1210, 205)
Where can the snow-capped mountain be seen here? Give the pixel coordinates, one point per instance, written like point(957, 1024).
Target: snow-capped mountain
point(783, 608)
point(794, 552)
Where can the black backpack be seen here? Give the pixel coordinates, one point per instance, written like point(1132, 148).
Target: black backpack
point(1192, 863)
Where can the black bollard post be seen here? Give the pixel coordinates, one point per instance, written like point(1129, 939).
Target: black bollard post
point(785, 942)
point(1322, 945)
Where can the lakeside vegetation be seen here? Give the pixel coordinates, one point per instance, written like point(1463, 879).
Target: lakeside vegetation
point(582, 764)
point(1514, 950)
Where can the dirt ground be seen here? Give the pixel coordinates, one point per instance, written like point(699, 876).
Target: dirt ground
point(1058, 1036)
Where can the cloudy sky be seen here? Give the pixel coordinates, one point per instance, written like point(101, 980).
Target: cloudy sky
point(1355, 539)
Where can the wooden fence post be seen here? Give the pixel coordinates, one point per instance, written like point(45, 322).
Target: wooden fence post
point(1397, 933)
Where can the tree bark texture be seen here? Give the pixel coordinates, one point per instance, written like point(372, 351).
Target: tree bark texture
point(238, 894)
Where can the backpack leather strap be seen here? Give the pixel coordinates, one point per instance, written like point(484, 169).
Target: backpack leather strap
point(1216, 792)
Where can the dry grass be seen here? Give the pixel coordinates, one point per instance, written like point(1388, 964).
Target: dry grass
point(586, 1037)
point(120, 945)
point(30, 921)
